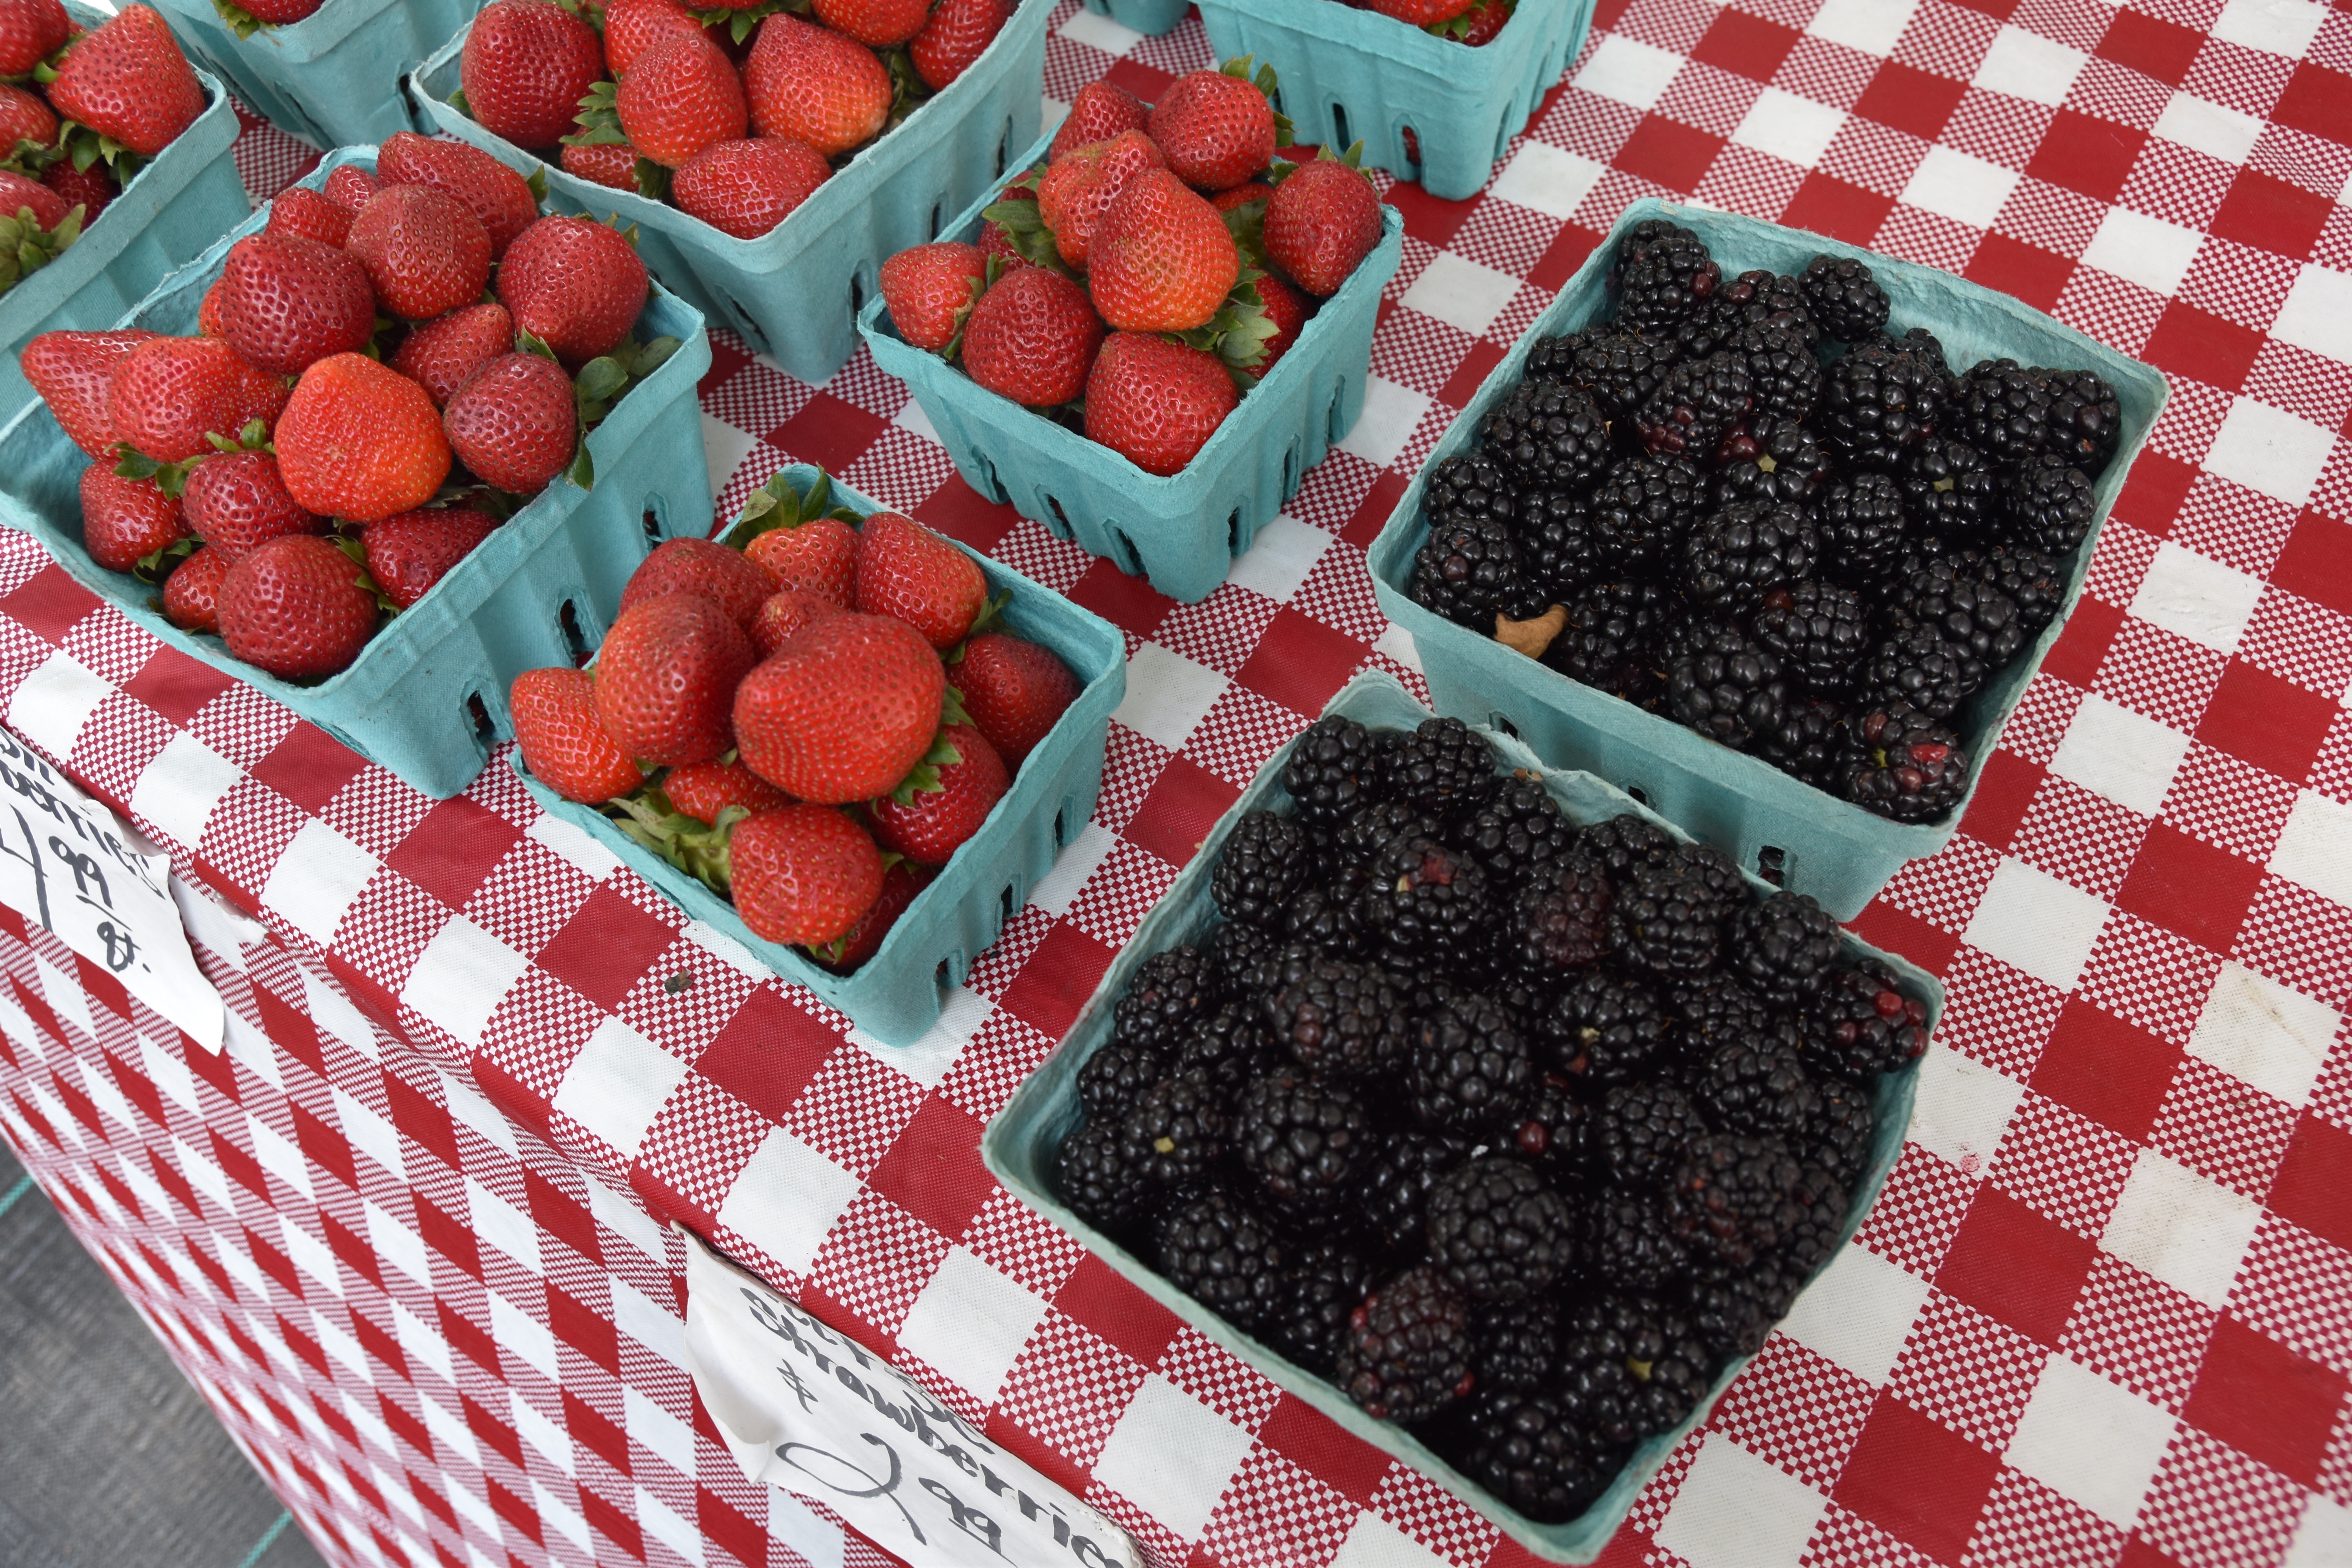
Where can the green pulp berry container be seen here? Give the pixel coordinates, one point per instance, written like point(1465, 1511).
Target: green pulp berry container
point(332, 77)
point(427, 696)
point(1813, 841)
point(1150, 17)
point(1019, 1143)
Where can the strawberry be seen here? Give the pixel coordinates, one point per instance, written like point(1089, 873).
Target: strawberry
point(302, 212)
point(525, 67)
point(1100, 111)
point(494, 193)
point(783, 613)
point(21, 192)
point(1216, 131)
point(1163, 260)
point(1033, 338)
point(1320, 222)
point(24, 118)
point(128, 81)
point(515, 424)
point(702, 567)
point(1014, 692)
point(361, 440)
point(843, 710)
point(409, 552)
point(666, 678)
point(208, 313)
point(574, 285)
point(1240, 195)
point(815, 86)
point(632, 27)
point(703, 790)
point(1156, 403)
point(876, 24)
point(996, 243)
point(802, 874)
point(906, 570)
point(562, 743)
point(925, 818)
point(424, 250)
point(350, 187)
point(957, 35)
point(818, 556)
point(170, 393)
point(931, 289)
point(1485, 21)
point(746, 188)
point(286, 303)
point(279, 12)
point(238, 500)
point(295, 608)
point(612, 165)
point(1283, 304)
point(442, 355)
point(901, 882)
point(89, 189)
point(1074, 192)
point(680, 96)
point(30, 32)
point(123, 519)
point(192, 592)
point(73, 371)
point(1421, 13)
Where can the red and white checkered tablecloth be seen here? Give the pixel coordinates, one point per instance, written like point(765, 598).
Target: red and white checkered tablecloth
point(400, 1235)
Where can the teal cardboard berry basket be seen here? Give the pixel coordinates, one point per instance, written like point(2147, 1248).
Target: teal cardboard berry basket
point(427, 696)
point(794, 292)
point(187, 197)
point(897, 995)
point(1181, 531)
point(1150, 17)
point(1350, 75)
point(332, 77)
point(1019, 1143)
point(1816, 842)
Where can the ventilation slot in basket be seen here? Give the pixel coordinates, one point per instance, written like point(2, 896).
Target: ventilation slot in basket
point(935, 216)
point(1497, 722)
point(1003, 148)
point(485, 728)
point(1339, 137)
point(575, 640)
point(1060, 525)
point(1772, 865)
point(1234, 533)
point(1004, 907)
point(1062, 827)
point(1128, 560)
point(1639, 797)
point(654, 513)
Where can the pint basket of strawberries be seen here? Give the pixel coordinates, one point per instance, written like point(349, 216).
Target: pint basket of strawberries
point(1147, 339)
point(839, 738)
point(771, 156)
point(328, 71)
point(391, 441)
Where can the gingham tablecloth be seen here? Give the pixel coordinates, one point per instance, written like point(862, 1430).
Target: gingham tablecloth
point(404, 1234)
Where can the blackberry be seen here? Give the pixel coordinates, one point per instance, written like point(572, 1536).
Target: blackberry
point(1308, 1320)
point(1728, 689)
point(1178, 1130)
point(1099, 1180)
point(1695, 407)
point(1231, 1044)
point(1775, 459)
point(1609, 628)
point(2051, 506)
point(1224, 1254)
point(1919, 666)
point(1784, 948)
point(2084, 420)
point(1662, 274)
point(1629, 1367)
point(1732, 1307)
point(1926, 346)
point(1266, 859)
point(1233, 951)
point(1715, 1011)
point(1644, 508)
point(2031, 579)
point(1407, 1351)
point(1499, 1228)
point(1623, 844)
point(1904, 764)
point(1757, 1086)
point(1808, 743)
point(1840, 1137)
point(1524, 1447)
point(1329, 770)
point(1862, 529)
point(1562, 929)
point(1731, 1194)
point(1517, 833)
point(1817, 1221)
point(1115, 1076)
point(1553, 358)
point(1772, 299)
point(1549, 437)
point(1950, 489)
point(1877, 402)
point(1341, 1018)
point(1166, 994)
point(1468, 572)
point(1626, 1241)
point(1667, 919)
point(1395, 1189)
point(1561, 547)
point(1429, 905)
point(1645, 1130)
point(1619, 367)
point(1359, 839)
point(1304, 1138)
point(1437, 766)
point(1560, 1134)
point(2004, 410)
point(1862, 1024)
point(1953, 596)
point(1515, 1344)
point(1818, 631)
point(1324, 918)
point(1604, 1029)
point(1472, 1072)
point(1731, 559)
point(1784, 376)
point(1845, 298)
point(1710, 326)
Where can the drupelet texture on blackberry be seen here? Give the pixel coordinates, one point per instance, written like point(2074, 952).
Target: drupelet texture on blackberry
point(1783, 948)
point(1772, 299)
point(1549, 438)
point(1553, 358)
point(1758, 1086)
point(1307, 1318)
point(1664, 272)
point(1515, 831)
point(1919, 665)
point(1430, 906)
point(1266, 859)
point(1097, 1175)
point(1323, 916)
point(1629, 1366)
point(2033, 581)
point(1862, 1024)
point(1499, 1228)
point(1406, 1355)
point(1731, 1308)
point(1774, 459)
point(1817, 630)
point(1808, 741)
point(1231, 1044)
point(1709, 327)
point(2084, 421)
point(1468, 569)
point(1731, 1194)
point(1816, 1221)
point(1605, 1029)
point(1715, 1010)
point(1605, 642)
point(1358, 840)
point(1618, 365)
point(1862, 529)
point(1524, 1447)
point(1644, 508)
point(2004, 411)
point(1180, 1129)
point(1845, 298)
point(1515, 1344)
point(1732, 558)
point(1166, 993)
point(1728, 689)
point(1329, 771)
point(1342, 1019)
point(1623, 844)
point(1472, 1071)
point(1441, 763)
point(1877, 403)
point(1950, 489)
point(1306, 1140)
point(1668, 919)
point(1219, 1249)
point(1561, 547)
point(1904, 764)
point(1695, 407)
point(1953, 596)
point(1840, 1137)
point(1645, 1130)
point(1783, 375)
point(1559, 1132)
point(1231, 950)
point(2051, 505)
point(1626, 1241)
point(1562, 928)
point(1390, 1196)
point(1115, 1076)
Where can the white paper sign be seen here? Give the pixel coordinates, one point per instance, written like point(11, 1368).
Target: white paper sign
point(87, 875)
point(813, 1412)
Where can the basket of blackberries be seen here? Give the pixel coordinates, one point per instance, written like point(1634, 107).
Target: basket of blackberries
point(1477, 1105)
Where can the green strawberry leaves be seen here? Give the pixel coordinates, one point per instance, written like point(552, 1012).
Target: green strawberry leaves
point(1266, 82)
point(653, 180)
point(458, 102)
point(1238, 334)
point(599, 119)
point(351, 547)
point(777, 505)
point(695, 847)
point(908, 90)
point(924, 776)
point(25, 247)
point(740, 23)
point(158, 564)
point(241, 22)
point(1455, 26)
point(86, 147)
point(990, 619)
point(173, 478)
point(592, 13)
point(536, 184)
point(1023, 223)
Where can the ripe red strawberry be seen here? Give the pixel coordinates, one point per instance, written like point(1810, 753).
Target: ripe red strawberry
point(1216, 131)
point(515, 424)
point(574, 285)
point(901, 883)
point(632, 27)
point(1075, 191)
point(494, 193)
point(994, 242)
point(1100, 111)
point(666, 678)
point(815, 86)
point(26, 118)
point(562, 743)
point(288, 303)
point(906, 570)
point(1488, 20)
point(442, 355)
point(238, 500)
point(424, 250)
point(957, 34)
point(802, 874)
point(876, 24)
point(73, 371)
point(843, 710)
point(525, 67)
point(931, 289)
point(1421, 13)
point(818, 556)
point(612, 167)
point(927, 826)
point(350, 187)
point(783, 613)
point(702, 567)
point(746, 188)
point(208, 313)
point(361, 440)
point(127, 79)
point(703, 790)
point(1033, 338)
point(680, 96)
point(409, 552)
point(89, 189)
point(1156, 403)
point(1240, 195)
point(123, 519)
point(1288, 310)
point(1320, 222)
point(295, 607)
point(192, 592)
point(171, 392)
point(30, 32)
point(1163, 260)
point(300, 211)
point(19, 193)
point(1014, 692)
point(279, 12)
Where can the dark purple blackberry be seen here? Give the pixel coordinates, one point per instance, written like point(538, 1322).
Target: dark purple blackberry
point(2004, 411)
point(1772, 299)
point(1604, 1029)
point(1304, 1138)
point(1731, 1308)
point(1904, 764)
point(1524, 1447)
point(1499, 1228)
point(1406, 1355)
point(2051, 505)
point(1950, 489)
point(1624, 844)
point(1166, 994)
point(1180, 1129)
point(1231, 1044)
point(1842, 1135)
point(1115, 1076)
point(1562, 929)
point(1275, 966)
point(1732, 558)
point(1816, 1223)
point(1919, 666)
point(1094, 1174)
point(1668, 919)
point(1784, 948)
point(1629, 1366)
point(1324, 918)
point(1707, 328)
point(1358, 840)
point(1877, 403)
point(1472, 1071)
point(1757, 1086)
point(1468, 572)
point(1231, 950)
point(1644, 508)
point(1341, 1020)
point(1266, 859)
point(1817, 630)
point(1953, 596)
point(1644, 1131)
point(1862, 1024)
point(1329, 770)
point(1561, 547)
point(1608, 633)
point(1695, 407)
point(1925, 345)
point(1715, 1010)
point(1218, 1249)
point(1619, 367)
point(1308, 1320)
point(1560, 1134)
point(1436, 767)
point(1515, 1344)
point(1662, 274)
point(1626, 1241)
point(1774, 460)
point(1515, 832)
point(1728, 690)
point(1845, 298)
point(1863, 530)
point(1553, 358)
point(1808, 743)
point(2034, 582)
point(1731, 1194)
point(1390, 1196)
point(2084, 420)
point(1784, 376)
point(1549, 438)
point(1431, 907)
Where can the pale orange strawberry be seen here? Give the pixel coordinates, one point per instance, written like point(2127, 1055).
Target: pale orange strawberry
point(666, 678)
point(680, 96)
point(1162, 260)
point(802, 874)
point(1156, 403)
point(818, 556)
point(815, 86)
point(1074, 192)
point(906, 570)
point(843, 710)
point(360, 441)
point(931, 289)
point(562, 742)
point(783, 613)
